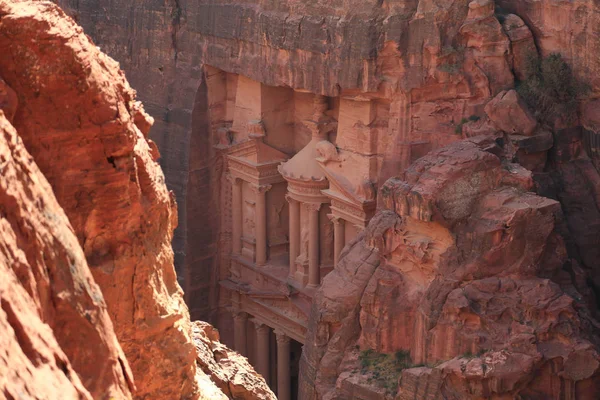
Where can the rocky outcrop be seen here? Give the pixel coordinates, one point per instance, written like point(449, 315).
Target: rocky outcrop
point(230, 371)
point(523, 50)
point(436, 62)
point(457, 269)
point(78, 118)
point(57, 338)
point(430, 65)
point(86, 218)
point(570, 28)
point(509, 113)
point(463, 252)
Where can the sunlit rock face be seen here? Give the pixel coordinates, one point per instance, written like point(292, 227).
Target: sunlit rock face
point(89, 302)
point(459, 268)
point(434, 63)
point(423, 67)
point(57, 337)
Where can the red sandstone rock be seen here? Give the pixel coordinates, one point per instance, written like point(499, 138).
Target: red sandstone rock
point(591, 115)
point(509, 113)
point(228, 370)
point(78, 117)
point(8, 100)
point(57, 339)
point(461, 285)
point(425, 65)
point(566, 27)
point(522, 43)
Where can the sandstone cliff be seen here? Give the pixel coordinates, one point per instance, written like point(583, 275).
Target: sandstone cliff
point(492, 288)
point(87, 223)
point(437, 62)
point(57, 338)
point(458, 269)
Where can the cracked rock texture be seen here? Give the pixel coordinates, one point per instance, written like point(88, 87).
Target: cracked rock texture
point(494, 289)
point(87, 287)
point(462, 267)
point(435, 61)
point(230, 371)
point(57, 339)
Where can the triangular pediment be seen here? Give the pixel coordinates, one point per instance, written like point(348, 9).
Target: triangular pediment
point(280, 301)
point(336, 187)
point(284, 307)
point(256, 152)
point(343, 188)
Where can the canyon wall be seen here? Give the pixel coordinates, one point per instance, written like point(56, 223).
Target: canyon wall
point(482, 262)
point(57, 338)
point(433, 61)
point(461, 271)
point(90, 301)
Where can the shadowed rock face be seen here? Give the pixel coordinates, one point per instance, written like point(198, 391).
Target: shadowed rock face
point(456, 268)
point(86, 222)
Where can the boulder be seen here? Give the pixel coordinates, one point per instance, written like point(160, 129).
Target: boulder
point(509, 113)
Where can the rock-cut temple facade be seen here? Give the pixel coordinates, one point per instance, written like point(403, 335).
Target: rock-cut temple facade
point(299, 179)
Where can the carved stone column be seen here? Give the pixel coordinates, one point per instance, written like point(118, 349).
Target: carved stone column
point(261, 223)
point(236, 213)
point(239, 332)
point(294, 233)
point(262, 350)
point(314, 273)
point(283, 366)
point(339, 237)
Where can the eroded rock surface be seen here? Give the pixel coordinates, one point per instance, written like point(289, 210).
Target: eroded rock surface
point(57, 339)
point(230, 371)
point(464, 251)
point(456, 268)
point(436, 62)
point(567, 27)
point(86, 222)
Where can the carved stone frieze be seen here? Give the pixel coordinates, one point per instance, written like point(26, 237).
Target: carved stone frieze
point(260, 189)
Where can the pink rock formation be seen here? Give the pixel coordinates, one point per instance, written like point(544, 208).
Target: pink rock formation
point(467, 261)
point(457, 268)
point(230, 371)
point(570, 28)
point(77, 116)
point(522, 45)
point(57, 339)
point(509, 113)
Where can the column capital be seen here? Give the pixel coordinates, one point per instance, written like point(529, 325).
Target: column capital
point(282, 338)
point(233, 179)
point(239, 315)
point(290, 199)
point(259, 189)
point(260, 327)
point(313, 206)
point(335, 219)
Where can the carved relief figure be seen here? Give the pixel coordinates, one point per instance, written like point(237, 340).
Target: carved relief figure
point(249, 223)
point(327, 243)
point(275, 223)
point(304, 234)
